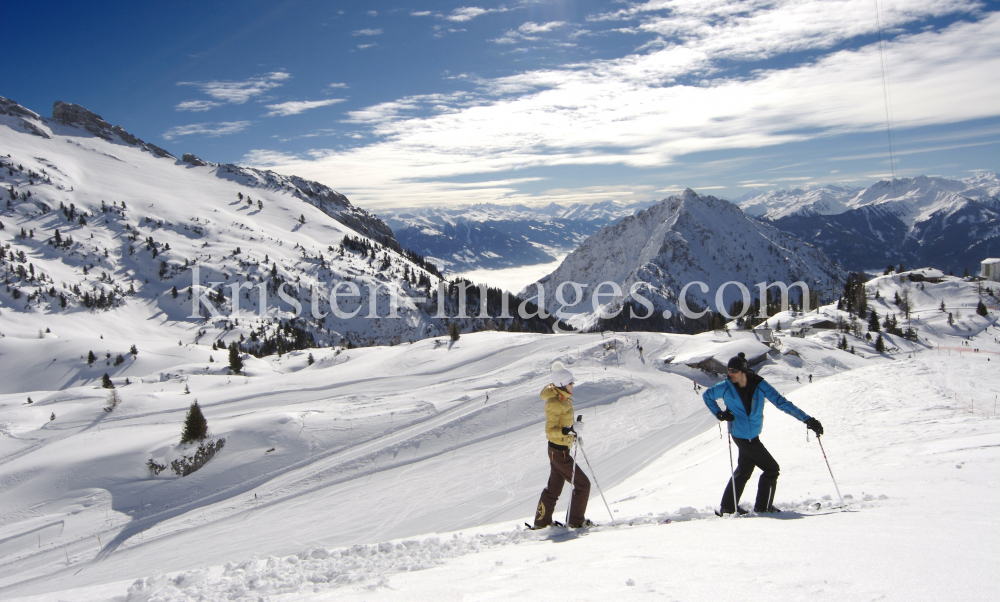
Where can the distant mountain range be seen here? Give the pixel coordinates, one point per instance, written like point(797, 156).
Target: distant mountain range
point(501, 236)
point(949, 224)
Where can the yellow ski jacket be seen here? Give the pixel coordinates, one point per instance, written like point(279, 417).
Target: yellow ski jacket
point(558, 413)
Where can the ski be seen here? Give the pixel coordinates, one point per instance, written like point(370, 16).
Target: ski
point(555, 523)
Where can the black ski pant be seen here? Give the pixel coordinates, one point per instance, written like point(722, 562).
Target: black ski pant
point(752, 453)
point(562, 469)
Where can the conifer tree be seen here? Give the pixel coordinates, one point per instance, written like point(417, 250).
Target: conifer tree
point(195, 425)
point(873, 325)
point(106, 382)
point(91, 358)
point(981, 309)
point(311, 359)
point(235, 361)
point(453, 331)
point(880, 344)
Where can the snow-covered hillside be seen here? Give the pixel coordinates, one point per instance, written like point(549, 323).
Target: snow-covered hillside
point(109, 243)
point(681, 240)
point(403, 473)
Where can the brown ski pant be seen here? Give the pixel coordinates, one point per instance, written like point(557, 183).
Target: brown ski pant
point(562, 463)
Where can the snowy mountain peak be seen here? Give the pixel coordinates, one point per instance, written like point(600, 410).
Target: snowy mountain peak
point(683, 239)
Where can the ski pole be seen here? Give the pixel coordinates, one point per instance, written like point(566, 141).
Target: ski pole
point(736, 503)
point(595, 480)
point(572, 480)
point(820, 441)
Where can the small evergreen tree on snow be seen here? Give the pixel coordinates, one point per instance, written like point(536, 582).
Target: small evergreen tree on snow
point(453, 332)
point(880, 344)
point(981, 309)
point(113, 400)
point(235, 361)
point(311, 359)
point(106, 382)
point(133, 351)
point(873, 325)
point(52, 417)
point(91, 358)
point(195, 425)
point(29, 400)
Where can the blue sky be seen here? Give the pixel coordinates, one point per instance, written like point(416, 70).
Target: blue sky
point(532, 101)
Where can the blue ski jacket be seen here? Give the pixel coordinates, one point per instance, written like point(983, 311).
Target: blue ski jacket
point(748, 426)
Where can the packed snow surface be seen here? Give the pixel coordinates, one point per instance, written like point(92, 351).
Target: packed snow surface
point(406, 472)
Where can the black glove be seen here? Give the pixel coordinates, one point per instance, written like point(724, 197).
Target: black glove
point(568, 430)
point(814, 425)
point(725, 415)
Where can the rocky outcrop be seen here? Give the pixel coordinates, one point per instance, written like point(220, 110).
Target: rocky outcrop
point(192, 160)
point(9, 107)
point(76, 116)
point(24, 117)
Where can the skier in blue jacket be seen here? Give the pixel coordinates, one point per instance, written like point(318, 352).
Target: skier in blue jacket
point(744, 393)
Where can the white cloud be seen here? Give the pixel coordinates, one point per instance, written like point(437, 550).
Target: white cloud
point(299, 106)
point(363, 46)
point(367, 32)
point(756, 29)
point(266, 158)
point(421, 13)
point(527, 31)
point(338, 85)
point(633, 112)
point(468, 13)
point(531, 28)
point(197, 105)
point(240, 91)
point(211, 130)
point(373, 13)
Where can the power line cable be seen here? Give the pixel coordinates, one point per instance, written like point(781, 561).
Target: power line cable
point(885, 93)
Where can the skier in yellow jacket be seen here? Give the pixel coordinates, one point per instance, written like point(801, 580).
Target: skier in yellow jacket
point(561, 432)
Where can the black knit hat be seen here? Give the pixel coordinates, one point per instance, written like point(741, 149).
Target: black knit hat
point(739, 362)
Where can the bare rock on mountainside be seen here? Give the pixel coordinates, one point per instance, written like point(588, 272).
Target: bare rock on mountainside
point(75, 115)
point(192, 160)
point(9, 107)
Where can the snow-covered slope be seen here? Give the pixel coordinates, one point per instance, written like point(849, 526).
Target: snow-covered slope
point(683, 239)
point(403, 473)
